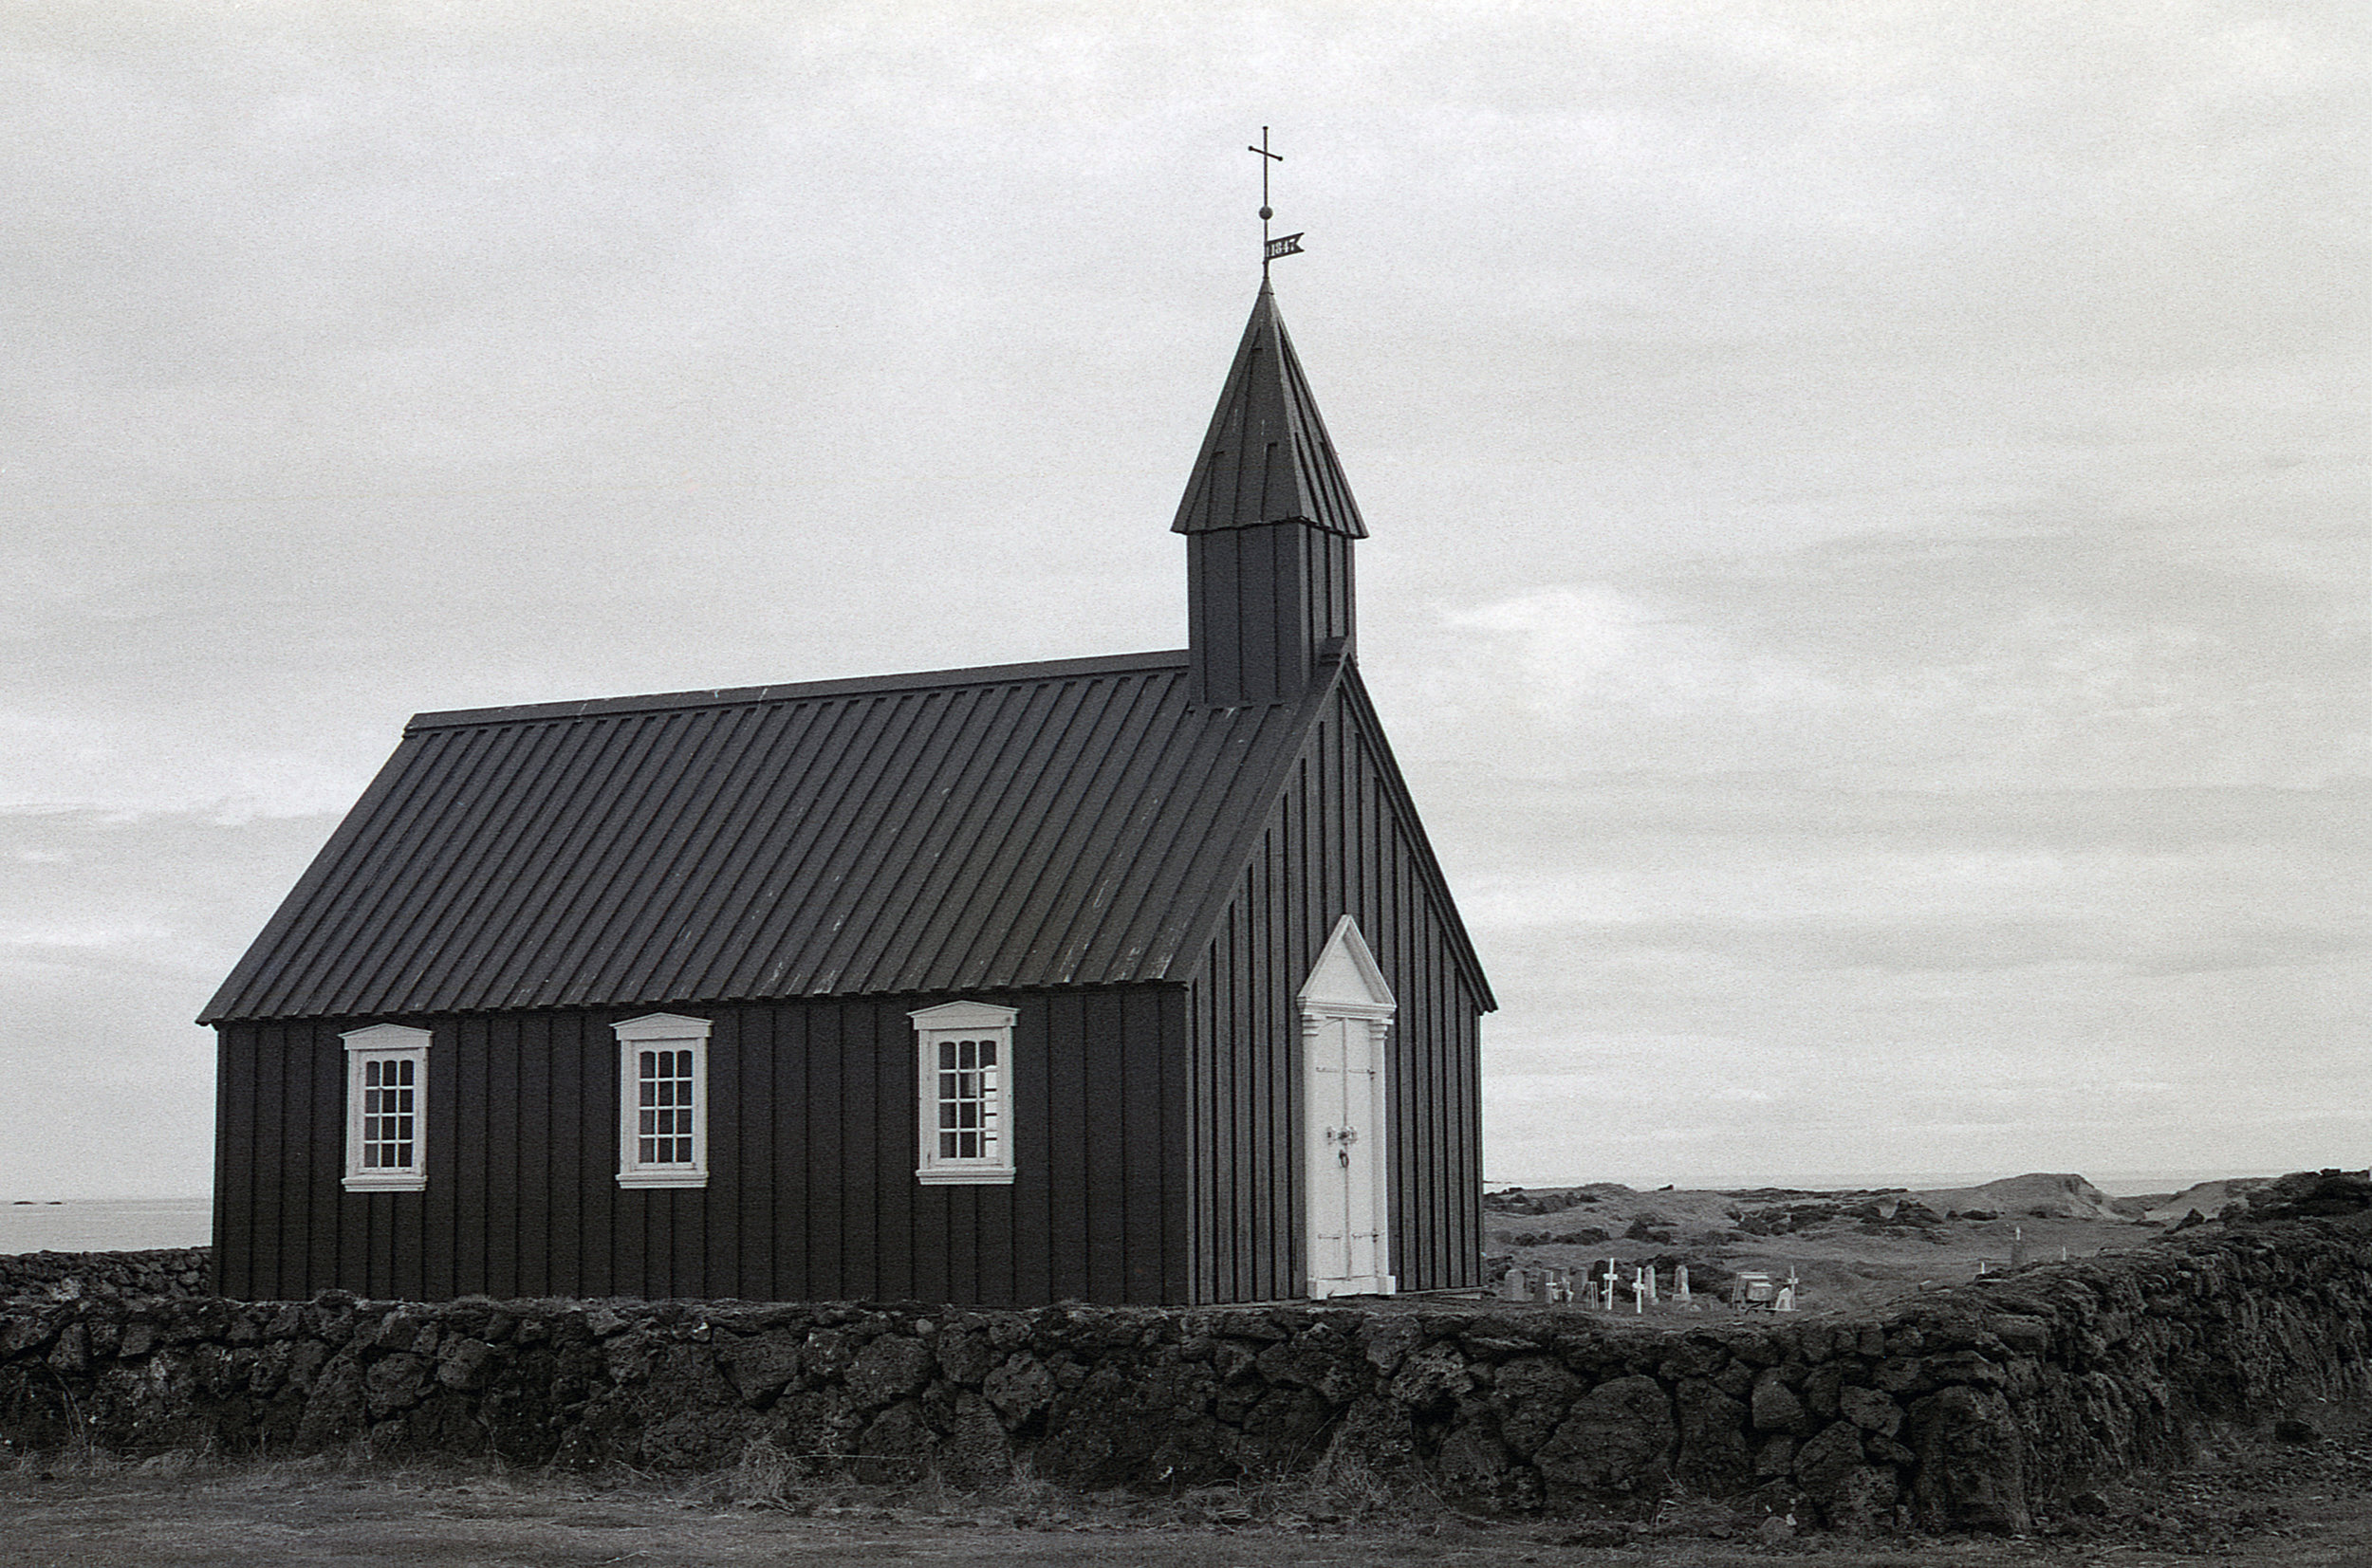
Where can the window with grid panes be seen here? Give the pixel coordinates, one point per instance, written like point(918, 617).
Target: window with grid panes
point(390, 1112)
point(664, 1080)
point(964, 1128)
point(967, 1099)
point(386, 1108)
point(662, 1134)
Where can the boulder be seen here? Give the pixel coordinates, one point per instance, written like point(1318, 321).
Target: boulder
point(761, 1366)
point(891, 1368)
point(1474, 1466)
point(1971, 1473)
point(1616, 1443)
point(1530, 1395)
point(1870, 1410)
point(1775, 1406)
point(1714, 1458)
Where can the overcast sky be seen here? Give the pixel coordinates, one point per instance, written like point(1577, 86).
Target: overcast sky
point(1869, 566)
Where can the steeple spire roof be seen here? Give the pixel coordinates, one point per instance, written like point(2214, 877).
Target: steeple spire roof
point(1266, 458)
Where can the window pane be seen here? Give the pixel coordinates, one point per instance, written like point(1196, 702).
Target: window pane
point(663, 1093)
point(386, 1119)
point(964, 1092)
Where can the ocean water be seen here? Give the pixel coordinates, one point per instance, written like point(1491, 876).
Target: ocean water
point(106, 1224)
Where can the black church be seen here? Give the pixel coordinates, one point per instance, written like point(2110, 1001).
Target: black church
point(1128, 979)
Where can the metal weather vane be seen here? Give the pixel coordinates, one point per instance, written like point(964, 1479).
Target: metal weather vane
point(1288, 245)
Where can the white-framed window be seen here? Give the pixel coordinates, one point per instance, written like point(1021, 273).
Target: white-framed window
point(387, 1109)
point(662, 1102)
point(965, 1092)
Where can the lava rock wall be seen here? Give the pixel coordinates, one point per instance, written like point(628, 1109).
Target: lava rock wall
point(64, 1276)
point(1963, 1409)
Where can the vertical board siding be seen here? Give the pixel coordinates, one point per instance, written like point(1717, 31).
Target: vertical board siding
point(1337, 842)
point(793, 1221)
point(1104, 1117)
point(753, 1221)
point(1261, 604)
point(584, 1084)
point(1065, 1167)
point(234, 1180)
point(1144, 1250)
point(325, 1242)
point(505, 1212)
point(709, 1236)
point(811, 1154)
point(536, 1210)
point(826, 1217)
point(464, 1088)
point(270, 1132)
point(861, 1071)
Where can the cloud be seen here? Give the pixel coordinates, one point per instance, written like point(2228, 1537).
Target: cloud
point(1866, 500)
point(2076, 658)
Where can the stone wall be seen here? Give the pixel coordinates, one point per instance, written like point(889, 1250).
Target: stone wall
point(1961, 1409)
point(63, 1276)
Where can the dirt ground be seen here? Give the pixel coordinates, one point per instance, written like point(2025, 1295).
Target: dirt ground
point(2250, 1499)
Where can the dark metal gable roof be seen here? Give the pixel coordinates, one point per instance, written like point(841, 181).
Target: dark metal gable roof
point(1266, 458)
point(1022, 825)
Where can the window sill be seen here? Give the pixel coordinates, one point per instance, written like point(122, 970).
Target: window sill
point(944, 1175)
point(385, 1184)
point(662, 1178)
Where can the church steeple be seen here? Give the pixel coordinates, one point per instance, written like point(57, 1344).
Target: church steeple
point(1268, 521)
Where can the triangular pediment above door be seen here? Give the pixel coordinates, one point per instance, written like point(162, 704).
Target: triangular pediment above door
point(1346, 976)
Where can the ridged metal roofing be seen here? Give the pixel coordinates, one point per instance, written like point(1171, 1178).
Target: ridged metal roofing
point(1266, 458)
point(1023, 825)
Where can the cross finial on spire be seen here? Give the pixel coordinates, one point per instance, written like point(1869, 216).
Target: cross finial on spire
point(1270, 250)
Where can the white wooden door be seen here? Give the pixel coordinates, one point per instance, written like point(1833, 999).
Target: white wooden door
point(1342, 1073)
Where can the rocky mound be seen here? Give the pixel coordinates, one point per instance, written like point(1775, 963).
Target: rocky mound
point(2208, 1197)
point(2038, 1196)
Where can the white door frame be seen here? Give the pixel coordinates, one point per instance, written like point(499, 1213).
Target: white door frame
point(1346, 1018)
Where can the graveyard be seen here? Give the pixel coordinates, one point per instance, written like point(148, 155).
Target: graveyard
point(1844, 1250)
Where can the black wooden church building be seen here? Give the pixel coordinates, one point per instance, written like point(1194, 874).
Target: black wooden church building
point(1125, 979)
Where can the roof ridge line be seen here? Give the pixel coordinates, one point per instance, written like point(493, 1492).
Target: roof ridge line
point(985, 675)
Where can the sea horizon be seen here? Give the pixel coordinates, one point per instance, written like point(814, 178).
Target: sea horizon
point(104, 1225)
